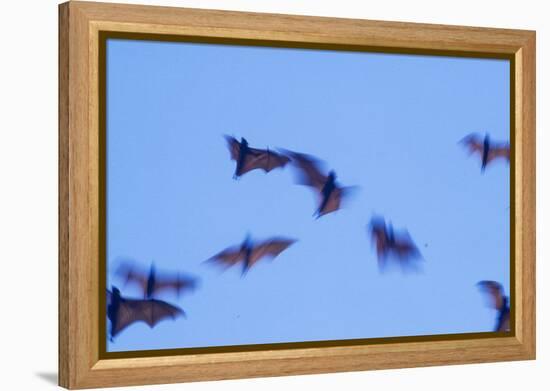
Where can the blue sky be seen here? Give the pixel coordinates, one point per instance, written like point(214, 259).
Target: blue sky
point(389, 124)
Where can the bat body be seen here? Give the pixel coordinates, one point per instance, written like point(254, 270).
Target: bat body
point(249, 253)
point(123, 312)
point(487, 150)
point(151, 283)
point(499, 302)
point(330, 192)
point(248, 159)
point(388, 243)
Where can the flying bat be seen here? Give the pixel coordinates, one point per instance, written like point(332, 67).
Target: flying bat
point(499, 302)
point(122, 312)
point(487, 150)
point(392, 244)
point(331, 194)
point(250, 253)
point(249, 159)
point(151, 283)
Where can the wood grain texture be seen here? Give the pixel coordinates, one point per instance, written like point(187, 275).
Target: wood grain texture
point(77, 307)
point(526, 135)
point(79, 168)
point(170, 20)
point(63, 200)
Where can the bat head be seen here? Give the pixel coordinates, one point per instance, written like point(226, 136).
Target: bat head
point(377, 223)
point(151, 281)
point(244, 143)
point(152, 270)
point(391, 233)
point(116, 291)
point(247, 242)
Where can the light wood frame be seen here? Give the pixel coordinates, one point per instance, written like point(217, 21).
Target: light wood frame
point(80, 24)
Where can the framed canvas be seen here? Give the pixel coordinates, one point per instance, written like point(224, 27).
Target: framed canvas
point(245, 195)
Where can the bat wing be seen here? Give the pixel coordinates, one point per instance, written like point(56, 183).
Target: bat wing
point(503, 322)
point(495, 292)
point(234, 147)
point(379, 236)
point(132, 276)
point(404, 246)
point(270, 248)
point(229, 256)
point(264, 159)
point(310, 169)
point(150, 311)
point(178, 284)
point(124, 317)
point(335, 200)
point(381, 243)
point(502, 151)
point(332, 204)
point(270, 160)
point(157, 310)
point(473, 143)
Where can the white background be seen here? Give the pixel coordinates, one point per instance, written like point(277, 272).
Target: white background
point(28, 214)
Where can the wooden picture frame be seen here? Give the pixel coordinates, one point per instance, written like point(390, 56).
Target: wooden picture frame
point(81, 193)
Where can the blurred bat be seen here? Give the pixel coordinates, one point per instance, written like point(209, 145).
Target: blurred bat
point(249, 159)
point(389, 243)
point(499, 302)
point(122, 312)
point(249, 253)
point(151, 284)
point(311, 174)
point(487, 151)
